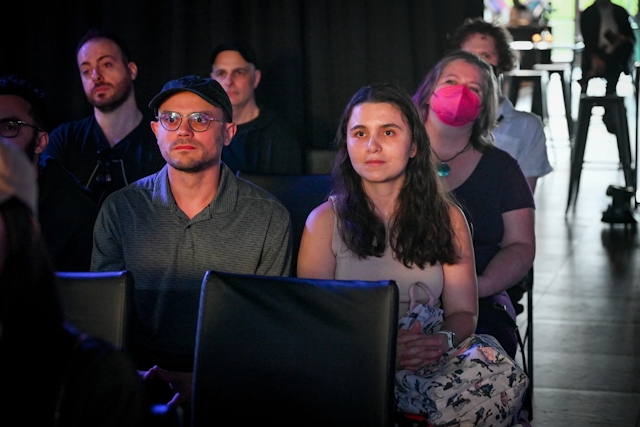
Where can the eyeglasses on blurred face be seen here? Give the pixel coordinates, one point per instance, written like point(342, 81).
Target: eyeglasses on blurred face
point(11, 128)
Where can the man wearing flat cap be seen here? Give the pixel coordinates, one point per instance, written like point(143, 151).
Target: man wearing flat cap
point(264, 143)
point(192, 216)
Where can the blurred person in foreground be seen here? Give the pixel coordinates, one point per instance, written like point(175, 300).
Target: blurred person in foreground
point(78, 380)
point(66, 213)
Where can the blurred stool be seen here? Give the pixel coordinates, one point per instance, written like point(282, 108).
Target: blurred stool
point(615, 105)
point(539, 79)
point(564, 71)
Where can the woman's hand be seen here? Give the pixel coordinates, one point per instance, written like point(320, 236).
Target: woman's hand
point(417, 350)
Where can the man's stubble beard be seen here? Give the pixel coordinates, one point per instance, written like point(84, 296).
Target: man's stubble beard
point(122, 92)
point(193, 166)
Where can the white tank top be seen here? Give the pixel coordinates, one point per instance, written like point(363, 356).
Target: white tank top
point(350, 267)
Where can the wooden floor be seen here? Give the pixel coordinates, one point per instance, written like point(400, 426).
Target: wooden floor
point(586, 283)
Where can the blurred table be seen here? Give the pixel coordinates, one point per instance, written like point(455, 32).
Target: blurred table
point(540, 53)
point(523, 36)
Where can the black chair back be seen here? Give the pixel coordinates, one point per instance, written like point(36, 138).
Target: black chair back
point(292, 351)
point(300, 194)
point(99, 303)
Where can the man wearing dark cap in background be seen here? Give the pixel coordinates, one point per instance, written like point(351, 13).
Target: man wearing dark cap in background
point(263, 142)
point(192, 216)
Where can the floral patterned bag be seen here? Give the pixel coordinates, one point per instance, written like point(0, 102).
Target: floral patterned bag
point(473, 384)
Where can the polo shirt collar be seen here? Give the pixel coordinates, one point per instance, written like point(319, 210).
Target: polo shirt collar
point(225, 200)
point(505, 108)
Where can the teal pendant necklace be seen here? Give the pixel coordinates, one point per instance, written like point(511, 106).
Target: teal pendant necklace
point(442, 167)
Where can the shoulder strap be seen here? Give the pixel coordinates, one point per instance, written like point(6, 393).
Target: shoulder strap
point(412, 297)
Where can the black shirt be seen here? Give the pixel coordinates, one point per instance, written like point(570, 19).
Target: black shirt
point(264, 145)
point(66, 214)
point(82, 148)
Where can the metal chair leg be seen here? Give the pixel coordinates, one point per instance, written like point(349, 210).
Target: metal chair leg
point(577, 151)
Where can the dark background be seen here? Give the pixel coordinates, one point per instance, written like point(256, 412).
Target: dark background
point(313, 54)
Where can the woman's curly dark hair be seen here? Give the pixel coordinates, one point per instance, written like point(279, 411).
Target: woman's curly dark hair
point(420, 232)
point(507, 59)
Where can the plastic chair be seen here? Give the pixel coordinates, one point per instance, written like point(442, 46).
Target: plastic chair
point(291, 351)
point(99, 303)
point(300, 194)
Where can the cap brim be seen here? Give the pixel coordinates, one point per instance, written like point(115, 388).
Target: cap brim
point(159, 99)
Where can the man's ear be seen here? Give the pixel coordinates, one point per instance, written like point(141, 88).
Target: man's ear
point(42, 142)
point(230, 131)
point(257, 75)
point(154, 127)
point(133, 70)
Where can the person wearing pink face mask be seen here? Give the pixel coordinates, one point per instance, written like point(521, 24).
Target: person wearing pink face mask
point(458, 100)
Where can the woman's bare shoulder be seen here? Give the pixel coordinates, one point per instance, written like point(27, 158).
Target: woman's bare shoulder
point(321, 215)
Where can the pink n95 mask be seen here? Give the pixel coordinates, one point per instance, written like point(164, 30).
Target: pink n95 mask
point(455, 105)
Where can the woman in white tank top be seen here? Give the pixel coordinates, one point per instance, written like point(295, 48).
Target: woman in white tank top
point(389, 218)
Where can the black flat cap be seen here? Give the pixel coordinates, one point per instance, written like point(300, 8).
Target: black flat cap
point(240, 46)
point(206, 88)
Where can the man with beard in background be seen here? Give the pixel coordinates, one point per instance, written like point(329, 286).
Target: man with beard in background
point(115, 146)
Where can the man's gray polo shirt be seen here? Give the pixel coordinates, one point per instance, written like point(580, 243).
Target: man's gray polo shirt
point(141, 229)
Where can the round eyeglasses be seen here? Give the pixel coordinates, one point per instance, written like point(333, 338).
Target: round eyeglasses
point(198, 122)
point(10, 128)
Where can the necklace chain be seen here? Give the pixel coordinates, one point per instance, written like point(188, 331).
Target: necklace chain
point(443, 168)
point(466, 147)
